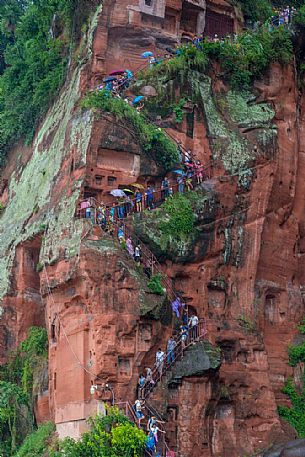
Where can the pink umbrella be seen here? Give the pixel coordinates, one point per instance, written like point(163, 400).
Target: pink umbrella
point(117, 72)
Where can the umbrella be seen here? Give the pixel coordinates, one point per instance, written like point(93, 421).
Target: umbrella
point(118, 193)
point(149, 91)
point(109, 79)
point(179, 172)
point(147, 54)
point(137, 99)
point(128, 191)
point(129, 74)
point(117, 72)
point(137, 185)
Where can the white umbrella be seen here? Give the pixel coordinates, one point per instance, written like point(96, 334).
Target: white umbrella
point(149, 91)
point(118, 193)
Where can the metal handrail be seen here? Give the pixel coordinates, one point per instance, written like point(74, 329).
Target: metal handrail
point(158, 194)
point(151, 259)
point(129, 412)
point(178, 354)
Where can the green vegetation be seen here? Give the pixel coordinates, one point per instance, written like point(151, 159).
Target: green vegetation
point(152, 139)
point(178, 110)
point(155, 284)
point(297, 352)
point(296, 414)
point(112, 435)
point(181, 216)
point(242, 60)
point(16, 389)
point(258, 10)
point(33, 66)
point(299, 19)
point(262, 10)
point(246, 323)
point(36, 37)
point(36, 443)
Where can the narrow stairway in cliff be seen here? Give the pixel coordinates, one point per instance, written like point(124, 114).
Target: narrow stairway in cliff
point(144, 415)
point(154, 448)
point(188, 336)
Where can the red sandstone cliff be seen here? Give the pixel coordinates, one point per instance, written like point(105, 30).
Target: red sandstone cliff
point(92, 299)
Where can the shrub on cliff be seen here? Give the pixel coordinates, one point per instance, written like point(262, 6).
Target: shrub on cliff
point(155, 284)
point(33, 67)
point(36, 443)
point(152, 139)
point(112, 435)
point(181, 216)
point(35, 39)
point(241, 60)
point(258, 10)
point(296, 414)
point(299, 19)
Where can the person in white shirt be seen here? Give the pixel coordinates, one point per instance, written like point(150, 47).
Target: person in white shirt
point(193, 323)
point(149, 376)
point(160, 361)
point(138, 410)
point(154, 429)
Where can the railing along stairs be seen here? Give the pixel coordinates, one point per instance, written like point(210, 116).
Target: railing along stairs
point(171, 357)
point(162, 448)
point(149, 411)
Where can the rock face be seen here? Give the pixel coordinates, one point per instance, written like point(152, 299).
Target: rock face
point(294, 448)
point(244, 272)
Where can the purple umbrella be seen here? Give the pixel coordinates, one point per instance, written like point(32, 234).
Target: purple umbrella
point(117, 72)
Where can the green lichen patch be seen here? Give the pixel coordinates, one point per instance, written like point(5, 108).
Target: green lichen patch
point(34, 205)
point(246, 113)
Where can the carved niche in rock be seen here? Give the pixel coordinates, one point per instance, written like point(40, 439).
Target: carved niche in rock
point(153, 7)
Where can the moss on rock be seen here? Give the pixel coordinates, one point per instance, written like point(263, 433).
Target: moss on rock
point(246, 113)
point(171, 244)
point(34, 206)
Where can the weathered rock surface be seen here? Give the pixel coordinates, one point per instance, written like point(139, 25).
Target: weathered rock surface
point(200, 359)
point(294, 448)
point(246, 276)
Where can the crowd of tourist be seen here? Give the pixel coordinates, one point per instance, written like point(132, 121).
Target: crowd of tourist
point(163, 360)
point(283, 16)
point(138, 199)
point(189, 331)
point(191, 173)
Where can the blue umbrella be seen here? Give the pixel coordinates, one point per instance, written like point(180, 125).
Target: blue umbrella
point(137, 99)
point(179, 172)
point(110, 79)
point(129, 74)
point(147, 54)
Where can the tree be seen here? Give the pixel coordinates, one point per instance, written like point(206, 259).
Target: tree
point(12, 399)
point(113, 435)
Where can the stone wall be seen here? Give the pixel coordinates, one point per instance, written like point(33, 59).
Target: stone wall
point(245, 274)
